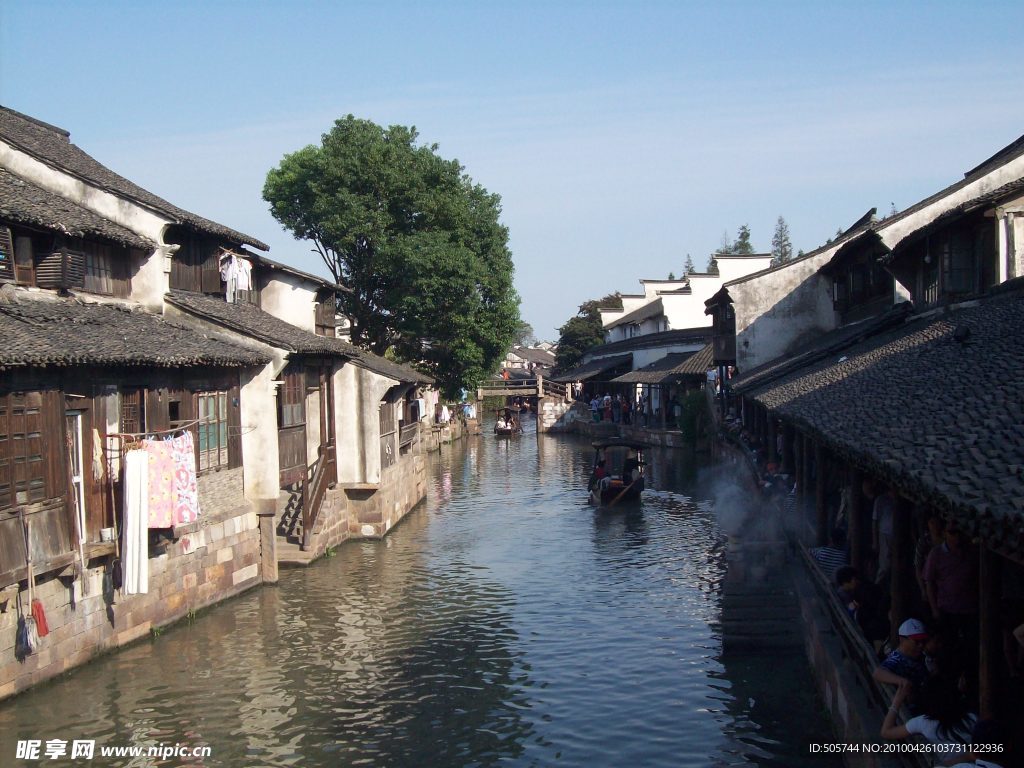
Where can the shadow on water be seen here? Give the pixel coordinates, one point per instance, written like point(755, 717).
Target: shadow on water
point(504, 621)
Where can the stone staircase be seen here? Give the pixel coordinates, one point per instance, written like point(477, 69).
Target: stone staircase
point(760, 608)
point(288, 526)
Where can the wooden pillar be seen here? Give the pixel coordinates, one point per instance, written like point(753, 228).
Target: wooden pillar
point(858, 530)
point(901, 566)
point(802, 479)
point(820, 506)
point(788, 459)
point(664, 404)
point(990, 637)
point(773, 454)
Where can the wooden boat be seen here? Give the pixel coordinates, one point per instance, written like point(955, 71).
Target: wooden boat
point(618, 475)
point(509, 417)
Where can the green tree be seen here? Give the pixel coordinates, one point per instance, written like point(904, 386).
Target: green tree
point(524, 334)
point(583, 331)
point(417, 241)
point(671, 275)
point(742, 244)
point(782, 248)
point(688, 266)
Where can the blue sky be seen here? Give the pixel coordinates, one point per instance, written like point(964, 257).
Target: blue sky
point(621, 136)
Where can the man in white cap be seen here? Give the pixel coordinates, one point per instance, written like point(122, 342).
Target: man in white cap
point(906, 663)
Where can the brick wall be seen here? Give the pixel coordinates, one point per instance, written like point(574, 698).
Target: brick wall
point(220, 559)
point(362, 514)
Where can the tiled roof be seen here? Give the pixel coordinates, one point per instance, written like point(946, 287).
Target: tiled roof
point(699, 362)
point(22, 202)
point(43, 330)
point(933, 407)
point(538, 356)
point(254, 322)
point(594, 368)
point(53, 146)
point(822, 346)
point(662, 339)
point(658, 372)
point(672, 368)
point(638, 315)
point(371, 362)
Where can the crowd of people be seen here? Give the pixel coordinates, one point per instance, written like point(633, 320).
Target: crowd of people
point(934, 665)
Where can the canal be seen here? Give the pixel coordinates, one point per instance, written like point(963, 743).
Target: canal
point(504, 621)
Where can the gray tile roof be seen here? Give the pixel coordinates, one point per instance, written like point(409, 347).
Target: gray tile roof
point(671, 368)
point(638, 315)
point(662, 339)
point(254, 322)
point(594, 368)
point(537, 356)
point(43, 330)
point(53, 146)
point(933, 406)
point(22, 202)
point(821, 346)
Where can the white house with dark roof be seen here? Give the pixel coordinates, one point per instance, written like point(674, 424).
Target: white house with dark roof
point(129, 318)
point(778, 309)
point(667, 305)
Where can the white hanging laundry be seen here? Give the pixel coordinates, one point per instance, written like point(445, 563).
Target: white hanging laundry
point(136, 523)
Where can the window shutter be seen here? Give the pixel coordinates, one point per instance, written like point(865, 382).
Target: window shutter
point(6, 254)
point(61, 269)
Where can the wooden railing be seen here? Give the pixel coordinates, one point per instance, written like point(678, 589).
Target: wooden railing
point(490, 384)
point(554, 388)
point(314, 487)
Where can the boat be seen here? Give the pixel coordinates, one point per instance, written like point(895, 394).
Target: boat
point(507, 422)
point(618, 475)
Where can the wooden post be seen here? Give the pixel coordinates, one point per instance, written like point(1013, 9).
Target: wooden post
point(901, 566)
point(820, 506)
point(788, 460)
point(803, 477)
point(990, 642)
point(857, 529)
point(773, 454)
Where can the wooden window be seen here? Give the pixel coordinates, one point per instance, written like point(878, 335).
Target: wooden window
point(22, 458)
point(292, 398)
point(99, 270)
point(6, 254)
point(133, 415)
point(212, 430)
point(325, 317)
point(388, 428)
point(958, 265)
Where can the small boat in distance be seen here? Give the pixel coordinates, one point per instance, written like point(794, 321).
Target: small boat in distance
point(618, 474)
point(507, 423)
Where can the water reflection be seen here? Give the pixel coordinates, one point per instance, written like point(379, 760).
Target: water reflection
point(506, 620)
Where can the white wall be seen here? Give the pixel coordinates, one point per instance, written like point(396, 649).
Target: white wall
point(290, 298)
point(261, 471)
point(357, 395)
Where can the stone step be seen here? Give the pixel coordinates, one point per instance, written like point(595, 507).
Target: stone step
point(290, 555)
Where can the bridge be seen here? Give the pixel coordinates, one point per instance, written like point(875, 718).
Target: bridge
point(538, 387)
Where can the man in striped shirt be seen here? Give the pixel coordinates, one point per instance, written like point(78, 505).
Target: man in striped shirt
point(833, 556)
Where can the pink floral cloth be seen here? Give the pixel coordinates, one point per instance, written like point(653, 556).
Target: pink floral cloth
point(173, 488)
point(161, 483)
point(186, 506)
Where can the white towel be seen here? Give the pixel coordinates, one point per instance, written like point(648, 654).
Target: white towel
point(136, 523)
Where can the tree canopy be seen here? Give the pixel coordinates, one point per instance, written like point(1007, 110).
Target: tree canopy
point(583, 331)
point(419, 244)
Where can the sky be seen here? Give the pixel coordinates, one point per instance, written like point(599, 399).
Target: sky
point(621, 136)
